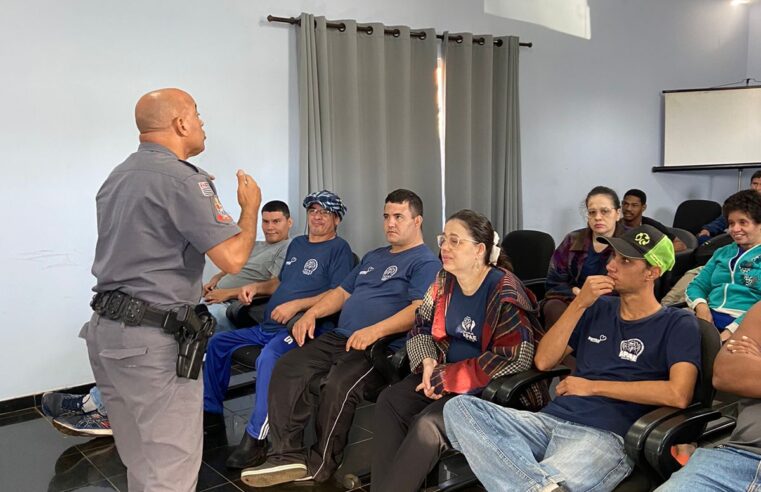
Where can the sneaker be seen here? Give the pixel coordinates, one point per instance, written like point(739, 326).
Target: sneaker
point(90, 424)
point(56, 404)
point(249, 453)
point(270, 474)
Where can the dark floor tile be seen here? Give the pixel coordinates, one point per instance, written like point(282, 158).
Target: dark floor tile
point(307, 486)
point(209, 478)
point(215, 458)
point(228, 434)
point(95, 443)
point(225, 487)
point(34, 456)
point(106, 460)
point(356, 460)
point(19, 416)
point(241, 405)
point(101, 486)
point(358, 434)
point(119, 482)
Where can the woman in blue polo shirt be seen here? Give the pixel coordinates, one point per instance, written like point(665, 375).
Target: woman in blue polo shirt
point(477, 322)
point(730, 283)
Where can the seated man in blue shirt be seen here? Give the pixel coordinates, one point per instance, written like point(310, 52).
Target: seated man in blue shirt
point(719, 224)
point(315, 263)
point(735, 464)
point(632, 355)
point(377, 298)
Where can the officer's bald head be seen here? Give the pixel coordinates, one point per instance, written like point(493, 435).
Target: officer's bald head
point(156, 110)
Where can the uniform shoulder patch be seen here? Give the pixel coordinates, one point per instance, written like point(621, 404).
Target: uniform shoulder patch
point(206, 189)
point(220, 214)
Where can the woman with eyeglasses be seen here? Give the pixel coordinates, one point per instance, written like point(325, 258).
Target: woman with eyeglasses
point(477, 322)
point(579, 255)
point(730, 283)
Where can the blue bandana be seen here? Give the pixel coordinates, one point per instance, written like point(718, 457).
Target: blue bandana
point(327, 200)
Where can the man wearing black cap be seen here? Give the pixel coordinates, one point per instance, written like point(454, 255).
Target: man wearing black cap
point(314, 264)
point(632, 355)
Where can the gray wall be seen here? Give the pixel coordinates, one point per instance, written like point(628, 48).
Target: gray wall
point(73, 70)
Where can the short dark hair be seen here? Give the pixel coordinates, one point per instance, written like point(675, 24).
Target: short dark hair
point(604, 190)
point(277, 206)
point(756, 175)
point(483, 232)
point(745, 201)
point(638, 193)
point(413, 201)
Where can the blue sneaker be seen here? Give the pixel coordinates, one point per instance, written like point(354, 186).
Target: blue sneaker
point(92, 424)
point(56, 404)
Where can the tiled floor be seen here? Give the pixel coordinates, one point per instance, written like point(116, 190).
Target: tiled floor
point(34, 456)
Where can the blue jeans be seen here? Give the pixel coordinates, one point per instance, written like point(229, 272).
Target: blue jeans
point(98, 400)
point(518, 450)
point(219, 311)
point(722, 468)
point(216, 373)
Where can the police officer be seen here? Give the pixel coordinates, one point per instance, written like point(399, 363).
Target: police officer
point(157, 216)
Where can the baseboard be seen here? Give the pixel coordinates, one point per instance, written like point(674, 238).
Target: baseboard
point(31, 401)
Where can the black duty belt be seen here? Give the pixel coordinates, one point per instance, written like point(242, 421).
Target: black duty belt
point(119, 306)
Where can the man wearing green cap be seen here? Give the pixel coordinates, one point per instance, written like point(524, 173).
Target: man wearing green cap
point(632, 355)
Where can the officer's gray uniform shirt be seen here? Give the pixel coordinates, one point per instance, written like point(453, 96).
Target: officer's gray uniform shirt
point(157, 217)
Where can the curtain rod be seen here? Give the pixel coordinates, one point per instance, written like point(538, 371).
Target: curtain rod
point(390, 32)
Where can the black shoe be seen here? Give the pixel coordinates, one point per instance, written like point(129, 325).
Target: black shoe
point(250, 452)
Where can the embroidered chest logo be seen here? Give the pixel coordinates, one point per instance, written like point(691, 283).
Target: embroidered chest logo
point(310, 266)
point(206, 189)
point(365, 272)
point(291, 261)
point(745, 268)
point(597, 340)
point(466, 328)
point(389, 272)
point(631, 349)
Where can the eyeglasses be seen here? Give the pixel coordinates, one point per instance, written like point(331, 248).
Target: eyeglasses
point(452, 241)
point(603, 212)
point(319, 211)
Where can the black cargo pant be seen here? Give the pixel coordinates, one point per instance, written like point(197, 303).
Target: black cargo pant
point(324, 380)
point(408, 437)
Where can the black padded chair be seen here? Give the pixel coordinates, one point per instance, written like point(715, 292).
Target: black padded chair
point(685, 260)
point(704, 252)
point(530, 253)
point(650, 438)
point(692, 215)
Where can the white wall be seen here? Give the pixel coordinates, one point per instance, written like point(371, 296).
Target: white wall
point(754, 42)
point(72, 71)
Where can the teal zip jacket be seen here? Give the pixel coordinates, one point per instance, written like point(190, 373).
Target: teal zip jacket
point(727, 290)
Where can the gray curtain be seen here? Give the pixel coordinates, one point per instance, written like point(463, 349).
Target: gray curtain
point(368, 122)
point(482, 145)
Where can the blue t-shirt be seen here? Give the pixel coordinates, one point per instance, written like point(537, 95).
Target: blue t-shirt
point(594, 264)
point(383, 284)
point(608, 348)
point(309, 269)
point(465, 318)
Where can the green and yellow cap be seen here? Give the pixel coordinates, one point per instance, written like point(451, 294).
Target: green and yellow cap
point(645, 243)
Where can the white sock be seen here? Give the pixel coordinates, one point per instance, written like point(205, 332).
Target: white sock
point(88, 405)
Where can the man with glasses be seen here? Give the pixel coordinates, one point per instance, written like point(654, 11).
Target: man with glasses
point(314, 264)
point(378, 298)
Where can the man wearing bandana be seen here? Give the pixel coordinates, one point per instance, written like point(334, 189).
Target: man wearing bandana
point(314, 263)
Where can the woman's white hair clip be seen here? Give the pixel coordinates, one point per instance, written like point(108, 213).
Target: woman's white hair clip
point(495, 250)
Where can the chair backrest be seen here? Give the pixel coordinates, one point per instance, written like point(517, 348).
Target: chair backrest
point(688, 238)
point(691, 215)
point(530, 253)
point(710, 344)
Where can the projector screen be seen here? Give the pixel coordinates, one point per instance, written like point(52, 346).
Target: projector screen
point(712, 126)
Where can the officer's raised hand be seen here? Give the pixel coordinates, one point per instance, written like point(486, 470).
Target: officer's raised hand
point(249, 194)
point(594, 287)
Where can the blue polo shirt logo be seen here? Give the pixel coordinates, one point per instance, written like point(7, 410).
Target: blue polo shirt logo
point(601, 339)
point(291, 261)
point(631, 349)
point(390, 272)
point(466, 329)
point(365, 272)
point(310, 266)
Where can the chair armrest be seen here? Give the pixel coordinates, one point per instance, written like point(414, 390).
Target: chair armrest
point(505, 390)
point(243, 315)
point(634, 441)
point(678, 305)
point(684, 427)
point(391, 367)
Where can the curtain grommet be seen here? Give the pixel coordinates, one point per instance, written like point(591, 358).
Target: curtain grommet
point(369, 30)
point(396, 33)
point(342, 27)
